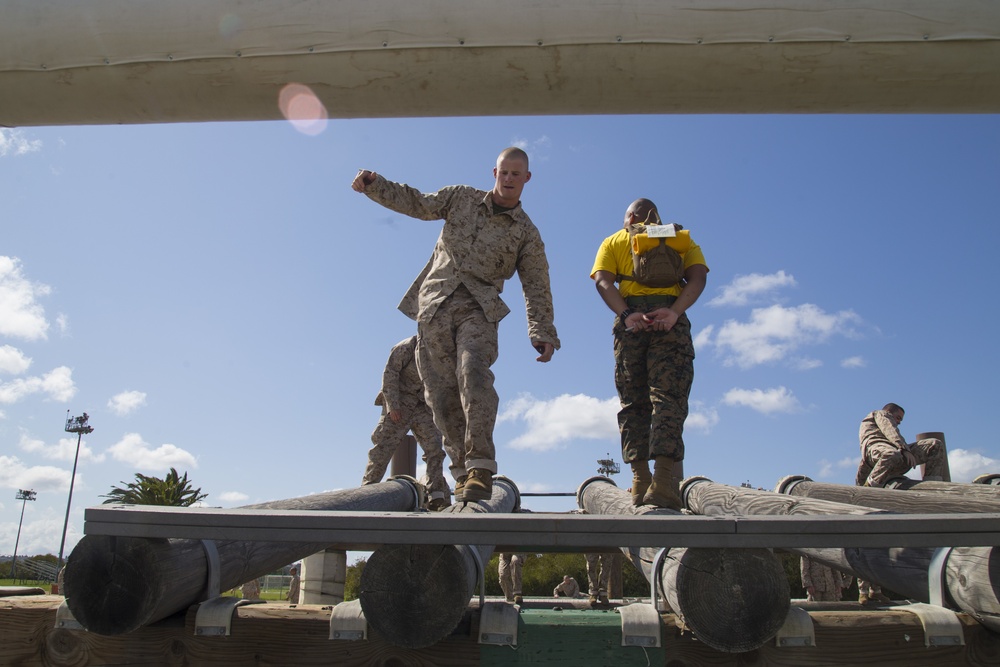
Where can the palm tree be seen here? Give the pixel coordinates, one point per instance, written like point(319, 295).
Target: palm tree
point(173, 490)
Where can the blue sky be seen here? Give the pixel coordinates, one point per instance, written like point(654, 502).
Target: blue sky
point(219, 300)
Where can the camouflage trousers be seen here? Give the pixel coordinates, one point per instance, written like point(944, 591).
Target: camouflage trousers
point(387, 436)
point(654, 371)
point(599, 573)
point(881, 461)
point(509, 571)
point(455, 350)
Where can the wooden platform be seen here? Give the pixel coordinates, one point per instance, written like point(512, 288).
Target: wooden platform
point(281, 635)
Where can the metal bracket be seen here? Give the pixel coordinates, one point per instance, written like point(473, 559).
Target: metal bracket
point(480, 571)
point(214, 617)
point(797, 630)
point(640, 625)
point(654, 578)
point(941, 626)
point(935, 576)
point(65, 618)
point(347, 621)
point(213, 585)
point(498, 624)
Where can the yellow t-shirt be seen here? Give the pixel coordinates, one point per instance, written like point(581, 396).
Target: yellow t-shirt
point(615, 256)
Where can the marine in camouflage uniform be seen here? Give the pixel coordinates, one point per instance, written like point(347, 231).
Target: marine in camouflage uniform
point(486, 238)
point(822, 583)
point(885, 453)
point(599, 576)
point(404, 410)
point(654, 358)
point(509, 569)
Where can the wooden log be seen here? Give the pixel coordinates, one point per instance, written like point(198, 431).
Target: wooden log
point(970, 491)
point(734, 600)
point(989, 478)
point(970, 580)
point(415, 595)
point(911, 502)
point(946, 467)
point(115, 585)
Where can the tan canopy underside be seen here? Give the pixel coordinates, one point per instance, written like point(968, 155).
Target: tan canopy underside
point(130, 61)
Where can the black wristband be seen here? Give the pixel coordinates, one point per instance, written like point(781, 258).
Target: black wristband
point(624, 314)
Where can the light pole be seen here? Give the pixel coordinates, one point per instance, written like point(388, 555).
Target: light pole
point(79, 426)
point(24, 496)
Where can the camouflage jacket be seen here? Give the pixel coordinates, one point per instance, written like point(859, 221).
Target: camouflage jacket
point(401, 384)
point(878, 426)
point(478, 248)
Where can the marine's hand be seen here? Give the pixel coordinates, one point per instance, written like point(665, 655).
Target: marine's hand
point(544, 349)
point(362, 180)
point(663, 319)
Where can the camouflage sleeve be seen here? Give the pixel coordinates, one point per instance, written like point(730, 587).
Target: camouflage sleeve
point(889, 429)
point(410, 201)
point(390, 377)
point(533, 271)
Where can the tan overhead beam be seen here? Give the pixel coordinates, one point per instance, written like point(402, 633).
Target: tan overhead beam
point(114, 61)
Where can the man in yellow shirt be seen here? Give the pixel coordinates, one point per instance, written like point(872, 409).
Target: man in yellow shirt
point(654, 354)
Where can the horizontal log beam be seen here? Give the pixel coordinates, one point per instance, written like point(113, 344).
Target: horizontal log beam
point(545, 532)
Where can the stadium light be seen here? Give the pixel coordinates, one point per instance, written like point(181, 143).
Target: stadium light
point(79, 426)
point(24, 496)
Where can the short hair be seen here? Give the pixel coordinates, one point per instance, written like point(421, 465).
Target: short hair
point(515, 153)
point(889, 407)
point(642, 207)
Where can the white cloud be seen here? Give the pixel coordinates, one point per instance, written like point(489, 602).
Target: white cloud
point(966, 465)
point(552, 423)
point(13, 361)
point(13, 142)
point(62, 321)
point(64, 450)
point(57, 384)
point(15, 475)
point(829, 469)
point(703, 339)
point(765, 401)
point(133, 450)
point(20, 314)
point(701, 418)
point(233, 497)
point(853, 362)
point(126, 402)
point(744, 289)
point(773, 333)
point(805, 363)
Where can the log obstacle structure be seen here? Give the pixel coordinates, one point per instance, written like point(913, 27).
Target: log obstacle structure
point(911, 502)
point(989, 478)
point(969, 577)
point(276, 634)
point(969, 491)
point(734, 600)
point(415, 595)
point(116, 585)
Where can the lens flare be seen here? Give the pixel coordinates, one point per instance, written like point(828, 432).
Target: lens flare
point(300, 106)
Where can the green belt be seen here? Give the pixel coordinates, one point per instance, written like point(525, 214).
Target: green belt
point(650, 301)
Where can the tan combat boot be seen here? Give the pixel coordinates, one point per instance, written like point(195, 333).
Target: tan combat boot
point(479, 485)
point(663, 491)
point(460, 487)
point(641, 479)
